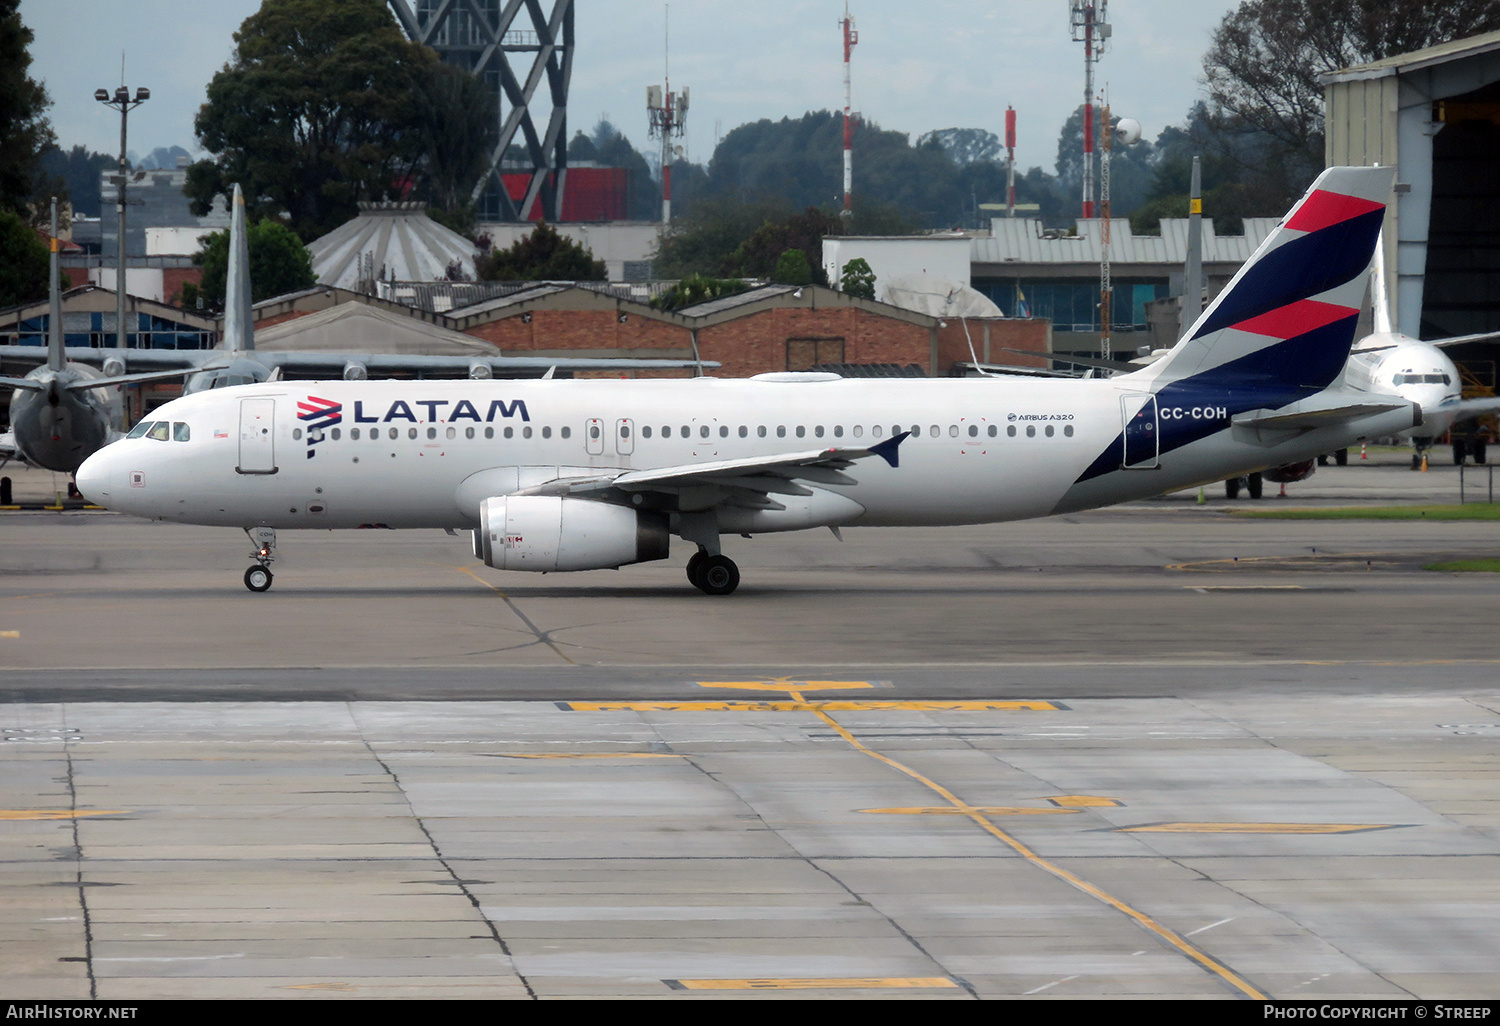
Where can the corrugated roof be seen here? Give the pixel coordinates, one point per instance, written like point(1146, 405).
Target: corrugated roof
point(1021, 240)
point(723, 303)
point(402, 241)
point(1417, 59)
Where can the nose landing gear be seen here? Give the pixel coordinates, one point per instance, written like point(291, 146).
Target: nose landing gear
point(258, 577)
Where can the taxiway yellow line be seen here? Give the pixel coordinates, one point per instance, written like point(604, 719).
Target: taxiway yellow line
point(1253, 828)
point(976, 815)
point(799, 704)
point(838, 983)
point(34, 814)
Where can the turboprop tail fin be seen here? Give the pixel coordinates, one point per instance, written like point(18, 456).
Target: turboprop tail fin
point(239, 320)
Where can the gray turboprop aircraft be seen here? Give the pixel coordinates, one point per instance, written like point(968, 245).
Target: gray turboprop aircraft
point(62, 412)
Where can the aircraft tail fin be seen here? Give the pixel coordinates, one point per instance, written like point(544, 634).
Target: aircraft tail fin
point(57, 357)
point(239, 323)
point(1286, 321)
point(1380, 300)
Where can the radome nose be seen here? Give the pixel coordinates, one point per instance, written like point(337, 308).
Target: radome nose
point(93, 479)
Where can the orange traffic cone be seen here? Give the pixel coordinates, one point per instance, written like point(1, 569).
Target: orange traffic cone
point(1362, 454)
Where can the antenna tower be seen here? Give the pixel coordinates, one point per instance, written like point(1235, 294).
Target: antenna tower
point(851, 37)
point(1086, 18)
point(1106, 287)
point(483, 39)
point(1010, 161)
point(668, 114)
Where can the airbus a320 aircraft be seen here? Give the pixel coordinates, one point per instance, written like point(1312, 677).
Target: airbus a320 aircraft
point(582, 475)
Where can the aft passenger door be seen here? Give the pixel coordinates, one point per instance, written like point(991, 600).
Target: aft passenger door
point(1142, 444)
point(257, 436)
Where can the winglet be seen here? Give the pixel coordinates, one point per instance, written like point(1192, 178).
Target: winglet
point(887, 450)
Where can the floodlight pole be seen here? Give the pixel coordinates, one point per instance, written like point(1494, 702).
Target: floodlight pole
point(121, 102)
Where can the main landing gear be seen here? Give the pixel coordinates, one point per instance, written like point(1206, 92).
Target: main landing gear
point(258, 577)
point(713, 575)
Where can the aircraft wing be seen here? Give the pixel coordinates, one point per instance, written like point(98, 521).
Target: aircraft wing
point(1466, 408)
point(129, 379)
point(141, 359)
point(1116, 366)
point(1458, 340)
point(747, 482)
point(332, 364)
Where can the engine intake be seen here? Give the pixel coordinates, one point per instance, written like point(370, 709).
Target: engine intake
point(545, 533)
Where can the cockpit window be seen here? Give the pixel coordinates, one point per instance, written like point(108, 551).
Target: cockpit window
point(141, 428)
point(181, 432)
point(160, 431)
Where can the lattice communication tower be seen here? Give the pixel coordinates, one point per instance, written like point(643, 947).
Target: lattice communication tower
point(525, 54)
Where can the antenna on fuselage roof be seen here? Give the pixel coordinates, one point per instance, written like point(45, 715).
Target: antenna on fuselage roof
point(551, 371)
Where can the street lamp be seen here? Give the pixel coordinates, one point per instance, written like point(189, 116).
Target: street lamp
point(121, 102)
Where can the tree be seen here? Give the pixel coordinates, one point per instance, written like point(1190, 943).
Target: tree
point(78, 169)
point(279, 264)
point(694, 289)
point(543, 255)
point(319, 107)
point(24, 261)
point(455, 133)
point(25, 131)
point(760, 255)
point(643, 189)
point(964, 146)
point(858, 279)
point(1130, 167)
point(1263, 66)
point(793, 269)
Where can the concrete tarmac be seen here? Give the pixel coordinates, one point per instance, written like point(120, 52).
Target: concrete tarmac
point(1151, 751)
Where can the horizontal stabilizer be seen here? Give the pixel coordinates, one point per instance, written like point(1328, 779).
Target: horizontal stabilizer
point(23, 383)
point(1305, 419)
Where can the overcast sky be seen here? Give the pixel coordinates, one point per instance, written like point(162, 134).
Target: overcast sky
point(918, 66)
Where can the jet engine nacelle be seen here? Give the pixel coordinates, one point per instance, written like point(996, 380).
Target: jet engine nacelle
point(355, 371)
point(546, 532)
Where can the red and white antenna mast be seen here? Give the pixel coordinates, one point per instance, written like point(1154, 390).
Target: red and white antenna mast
point(1086, 18)
point(668, 114)
point(851, 37)
point(1010, 161)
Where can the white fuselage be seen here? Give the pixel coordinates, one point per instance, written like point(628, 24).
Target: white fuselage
point(1417, 371)
point(412, 454)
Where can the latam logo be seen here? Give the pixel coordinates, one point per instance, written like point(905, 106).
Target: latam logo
point(318, 414)
point(462, 410)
